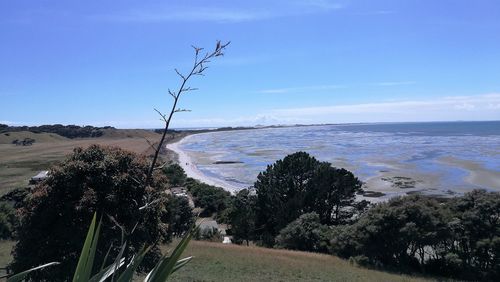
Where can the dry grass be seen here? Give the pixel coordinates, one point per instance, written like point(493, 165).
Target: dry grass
point(19, 163)
point(219, 262)
point(8, 137)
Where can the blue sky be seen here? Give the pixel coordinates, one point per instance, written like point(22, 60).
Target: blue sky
point(297, 61)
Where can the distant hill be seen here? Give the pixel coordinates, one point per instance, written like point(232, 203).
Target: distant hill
point(9, 137)
point(129, 133)
point(68, 131)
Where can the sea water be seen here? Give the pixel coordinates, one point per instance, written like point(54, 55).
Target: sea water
point(441, 157)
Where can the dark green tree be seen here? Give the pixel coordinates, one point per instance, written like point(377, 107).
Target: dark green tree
point(299, 184)
point(175, 174)
point(212, 199)
point(55, 219)
point(179, 215)
point(396, 233)
point(280, 194)
point(332, 193)
point(242, 217)
point(306, 233)
point(475, 225)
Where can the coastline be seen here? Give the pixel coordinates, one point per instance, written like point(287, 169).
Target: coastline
point(393, 179)
point(190, 168)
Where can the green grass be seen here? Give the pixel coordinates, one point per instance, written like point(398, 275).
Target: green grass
point(218, 262)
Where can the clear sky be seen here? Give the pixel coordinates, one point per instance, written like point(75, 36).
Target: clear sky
point(296, 61)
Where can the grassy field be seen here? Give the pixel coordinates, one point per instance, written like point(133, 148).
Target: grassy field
point(219, 262)
point(19, 163)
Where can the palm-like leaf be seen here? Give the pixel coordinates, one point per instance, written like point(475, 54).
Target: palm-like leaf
point(20, 276)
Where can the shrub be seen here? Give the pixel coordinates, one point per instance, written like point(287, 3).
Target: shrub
point(96, 179)
point(175, 174)
point(8, 221)
point(304, 234)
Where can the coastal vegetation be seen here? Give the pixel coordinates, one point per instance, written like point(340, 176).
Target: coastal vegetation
point(130, 194)
point(457, 237)
point(57, 212)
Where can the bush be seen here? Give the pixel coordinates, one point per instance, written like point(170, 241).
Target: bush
point(212, 199)
point(304, 234)
point(8, 221)
point(97, 179)
point(175, 174)
point(459, 238)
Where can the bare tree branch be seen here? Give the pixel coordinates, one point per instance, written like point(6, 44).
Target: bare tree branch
point(178, 110)
point(179, 74)
point(197, 69)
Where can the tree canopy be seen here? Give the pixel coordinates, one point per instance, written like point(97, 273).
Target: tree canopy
point(105, 180)
point(299, 184)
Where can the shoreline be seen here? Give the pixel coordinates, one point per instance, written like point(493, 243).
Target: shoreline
point(190, 168)
point(387, 183)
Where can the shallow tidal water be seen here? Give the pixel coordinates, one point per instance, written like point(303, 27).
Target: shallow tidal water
point(440, 158)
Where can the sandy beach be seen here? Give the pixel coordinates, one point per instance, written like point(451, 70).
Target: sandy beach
point(192, 171)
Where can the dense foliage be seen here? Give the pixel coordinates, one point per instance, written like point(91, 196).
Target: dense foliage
point(69, 131)
point(303, 204)
point(179, 216)
point(8, 221)
point(214, 201)
point(175, 175)
point(306, 233)
point(459, 238)
point(55, 219)
point(210, 198)
point(300, 184)
point(242, 217)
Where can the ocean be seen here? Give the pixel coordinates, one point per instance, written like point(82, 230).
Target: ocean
point(435, 158)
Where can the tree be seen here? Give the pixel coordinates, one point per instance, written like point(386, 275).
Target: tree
point(179, 215)
point(306, 233)
point(332, 193)
point(395, 233)
point(280, 192)
point(55, 219)
point(242, 217)
point(475, 225)
point(212, 199)
point(175, 174)
point(299, 184)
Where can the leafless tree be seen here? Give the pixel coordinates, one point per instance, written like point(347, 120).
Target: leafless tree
point(201, 61)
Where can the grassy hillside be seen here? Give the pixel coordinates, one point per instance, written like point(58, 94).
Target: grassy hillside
point(19, 163)
point(129, 133)
point(8, 137)
point(218, 262)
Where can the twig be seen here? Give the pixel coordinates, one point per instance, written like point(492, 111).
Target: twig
point(197, 69)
